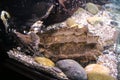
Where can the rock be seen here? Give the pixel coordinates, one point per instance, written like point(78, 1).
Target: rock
point(72, 69)
point(98, 72)
point(97, 69)
point(118, 76)
point(70, 43)
point(44, 61)
point(105, 52)
point(102, 27)
point(92, 8)
point(94, 20)
point(94, 76)
point(114, 23)
point(105, 32)
point(35, 28)
point(71, 22)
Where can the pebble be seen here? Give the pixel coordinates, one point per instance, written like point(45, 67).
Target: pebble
point(114, 23)
point(44, 61)
point(71, 22)
point(92, 8)
point(105, 52)
point(72, 69)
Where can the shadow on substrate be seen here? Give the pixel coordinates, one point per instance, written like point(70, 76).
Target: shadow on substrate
point(6, 73)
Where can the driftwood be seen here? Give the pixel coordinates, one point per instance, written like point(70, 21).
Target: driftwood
point(29, 43)
point(29, 61)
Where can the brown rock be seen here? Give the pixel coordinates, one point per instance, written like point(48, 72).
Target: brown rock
point(73, 43)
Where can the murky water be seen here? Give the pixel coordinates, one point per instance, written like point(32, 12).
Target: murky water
point(114, 8)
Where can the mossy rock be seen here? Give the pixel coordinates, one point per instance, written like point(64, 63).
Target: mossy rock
point(44, 61)
point(92, 8)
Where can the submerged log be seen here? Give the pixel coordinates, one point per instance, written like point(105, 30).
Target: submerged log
point(28, 43)
point(29, 61)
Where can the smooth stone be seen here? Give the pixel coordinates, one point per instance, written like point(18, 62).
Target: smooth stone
point(114, 23)
point(72, 69)
point(98, 72)
point(94, 20)
point(92, 8)
point(106, 52)
point(94, 76)
point(71, 22)
point(44, 61)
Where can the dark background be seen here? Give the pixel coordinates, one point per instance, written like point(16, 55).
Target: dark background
point(6, 73)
